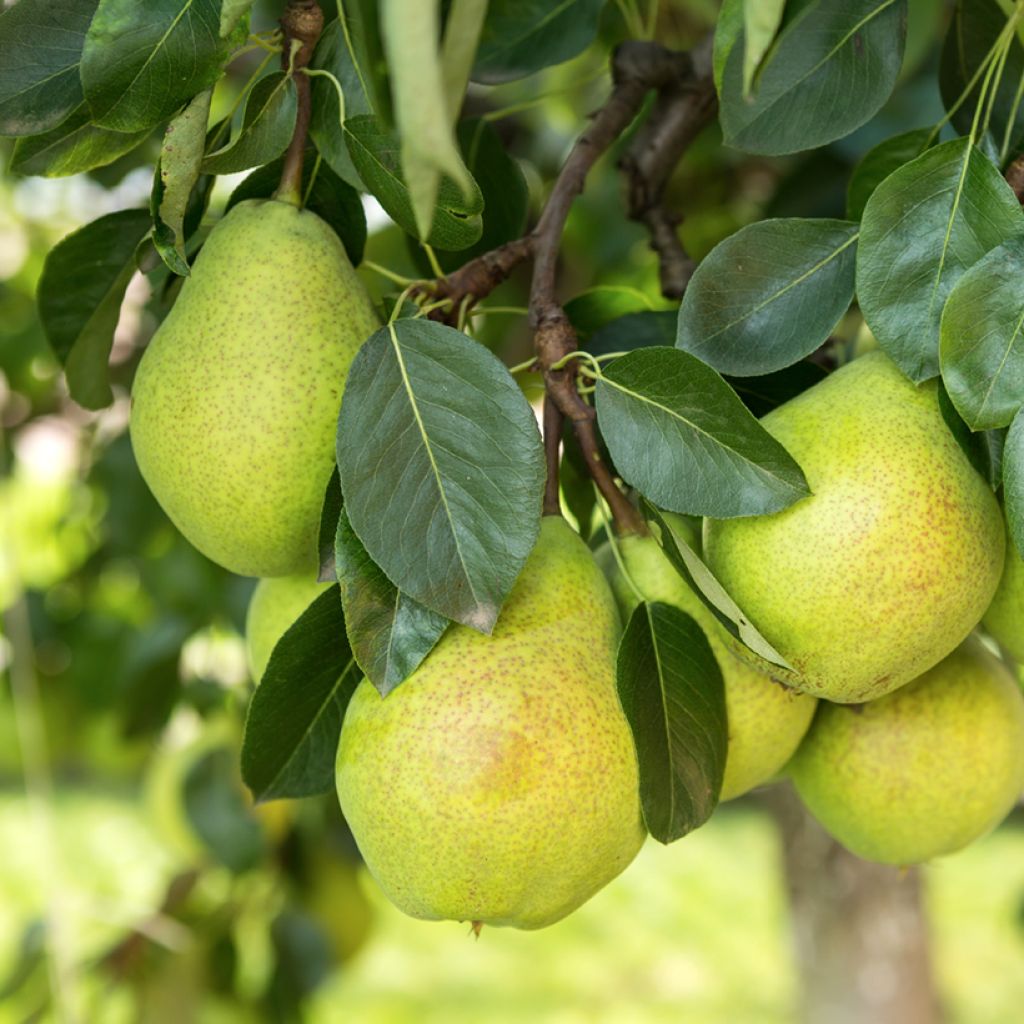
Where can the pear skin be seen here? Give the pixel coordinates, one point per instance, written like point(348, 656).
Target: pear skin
point(891, 561)
point(1004, 619)
point(498, 784)
point(923, 771)
point(274, 606)
point(235, 402)
point(766, 719)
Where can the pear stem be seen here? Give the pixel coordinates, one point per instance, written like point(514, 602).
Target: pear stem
point(302, 22)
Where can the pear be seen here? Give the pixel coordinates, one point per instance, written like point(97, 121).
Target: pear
point(1004, 619)
point(498, 784)
point(923, 771)
point(890, 562)
point(274, 606)
point(235, 402)
point(766, 719)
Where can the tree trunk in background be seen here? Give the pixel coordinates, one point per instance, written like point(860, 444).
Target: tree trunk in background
point(859, 929)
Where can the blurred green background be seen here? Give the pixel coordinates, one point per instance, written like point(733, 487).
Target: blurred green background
point(129, 850)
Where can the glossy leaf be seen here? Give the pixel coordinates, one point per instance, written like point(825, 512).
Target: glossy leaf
point(390, 633)
point(441, 467)
point(922, 228)
point(833, 65)
point(1013, 481)
point(878, 163)
point(769, 295)
point(680, 435)
point(375, 152)
point(41, 41)
point(141, 62)
point(982, 338)
point(523, 36)
point(267, 127)
point(672, 693)
point(295, 716)
point(761, 21)
point(79, 296)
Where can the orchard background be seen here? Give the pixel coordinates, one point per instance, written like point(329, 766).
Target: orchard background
point(137, 882)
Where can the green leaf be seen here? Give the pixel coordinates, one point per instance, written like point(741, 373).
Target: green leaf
point(762, 394)
point(463, 24)
point(702, 582)
point(75, 145)
point(295, 716)
point(176, 175)
point(1013, 481)
point(761, 21)
point(267, 127)
point(79, 296)
point(922, 228)
point(457, 223)
point(982, 338)
point(330, 514)
point(769, 295)
point(441, 467)
point(727, 34)
point(390, 633)
point(878, 163)
point(972, 32)
point(410, 29)
point(141, 62)
point(679, 434)
point(231, 14)
point(984, 448)
point(833, 65)
point(328, 197)
point(41, 41)
point(604, 304)
point(635, 330)
point(523, 36)
point(672, 693)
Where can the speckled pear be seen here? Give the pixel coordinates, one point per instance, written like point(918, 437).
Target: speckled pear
point(1004, 619)
point(890, 562)
point(498, 784)
point(766, 719)
point(923, 771)
point(235, 402)
point(275, 604)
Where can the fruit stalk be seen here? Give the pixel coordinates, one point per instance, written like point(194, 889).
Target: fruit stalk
point(302, 23)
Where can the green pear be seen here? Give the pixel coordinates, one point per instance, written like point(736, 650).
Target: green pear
point(275, 604)
point(890, 562)
point(1004, 619)
point(923, 771)
point(235, 402)
point(498, 784)
point(766, 719)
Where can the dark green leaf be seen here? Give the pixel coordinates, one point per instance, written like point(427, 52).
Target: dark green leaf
point(216, 809)
point(41, 41)
point(330, 514)
point(79, 296)
point(762, 394)
point(672, 694)
point(75, 145)
point(141, 62)
point(441, 467)
point(376, 154)
point(769, 294)
point(294, 721)
point(761, 22)
point(329, 198)
point(604, 304)
point(922, 228)
point(702, 582)
point(984, 448)
point(833, 65)
point(523, 36)
point(390, 633)
point(982, 344)
point(681, 436)
point(974, 29)
point(1013, 481)
point(878, 163)
point(727, 33)
point(267, 127)
point(635, 330)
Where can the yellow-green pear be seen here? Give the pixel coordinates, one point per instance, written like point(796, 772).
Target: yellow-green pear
point(1004, 619)
point(235, 402)
point(766, 719)
point(275, 604)
point(923, 771)
point(890, 562)
point(498, 784)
